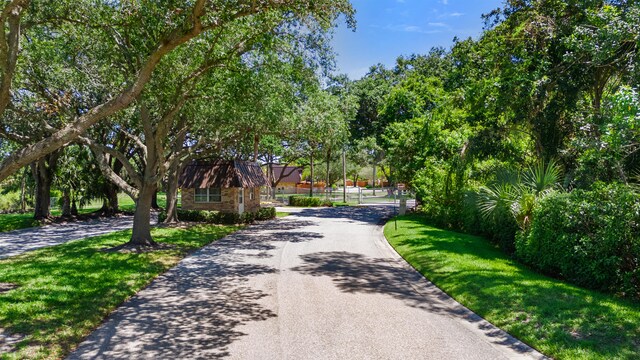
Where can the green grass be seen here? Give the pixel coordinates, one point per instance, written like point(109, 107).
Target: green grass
point(281, 214)
point(9, 222)
point(66, 291)
point(561, 320)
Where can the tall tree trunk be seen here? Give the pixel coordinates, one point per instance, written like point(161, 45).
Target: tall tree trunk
point(256, 142)
point(23, 188)
point(43, 190)
point(375, 177)
point(66, 203)
point(344, 176)
point(172, 194)
point(328, 167)
point(154, 201)
point(112, 199)
point(74, 208)
point(141, 235)
point(311, 166)
point(43, 170)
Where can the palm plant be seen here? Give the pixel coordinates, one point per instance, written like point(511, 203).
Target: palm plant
point(520, 197)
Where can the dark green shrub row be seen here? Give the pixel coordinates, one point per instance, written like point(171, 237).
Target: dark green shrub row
point(305, 201)
point(458, 211)
point(591, 238)
point(217, 217)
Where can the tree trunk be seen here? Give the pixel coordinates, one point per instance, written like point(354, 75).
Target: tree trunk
point(141, 235)
point(172, 195)
point(328, 167)
point(66, 203)
point(311, 167)
point(23, 186)
point(256, 142)
point(74, 208)
point(112, 200)
point(43, 191)
point(43, 170)
point(154, 201)
point(344, 176)
point(375, 178)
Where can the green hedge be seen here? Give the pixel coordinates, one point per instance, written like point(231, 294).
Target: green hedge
point(217, 217)
point(305, 201)
point(591, 238)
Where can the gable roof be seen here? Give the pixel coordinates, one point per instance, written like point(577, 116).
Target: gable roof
point(294, 173)
point(222, 174)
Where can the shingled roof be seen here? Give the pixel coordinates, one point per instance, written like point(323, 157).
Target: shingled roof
point(222, 174)
point(292, 174)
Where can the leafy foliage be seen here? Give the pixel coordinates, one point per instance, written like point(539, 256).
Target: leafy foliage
point(589, 237)
point(305, 201)
point(219, 217)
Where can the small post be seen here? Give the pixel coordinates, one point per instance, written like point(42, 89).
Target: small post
point(395, 208)
point(344, 176)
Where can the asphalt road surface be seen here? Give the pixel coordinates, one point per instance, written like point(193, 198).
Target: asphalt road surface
point(318, 284)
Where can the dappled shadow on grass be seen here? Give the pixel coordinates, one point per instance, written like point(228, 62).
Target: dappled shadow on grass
point(558, 318)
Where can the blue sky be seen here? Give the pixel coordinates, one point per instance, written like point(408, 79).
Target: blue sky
point(389, 28)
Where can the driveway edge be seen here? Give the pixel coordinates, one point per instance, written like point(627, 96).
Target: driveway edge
point(473, 322)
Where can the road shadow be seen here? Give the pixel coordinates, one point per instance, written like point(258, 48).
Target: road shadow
point(190, 313)
point(195, 310)
point(364, 214)
point(356, 273)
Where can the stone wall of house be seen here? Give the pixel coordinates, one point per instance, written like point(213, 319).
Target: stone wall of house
point(252, 205)
point(229, 201)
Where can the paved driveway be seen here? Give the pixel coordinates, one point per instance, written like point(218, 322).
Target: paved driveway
point(318, 284)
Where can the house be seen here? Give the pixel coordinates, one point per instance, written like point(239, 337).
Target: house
point(289, 177)
point(226, 186)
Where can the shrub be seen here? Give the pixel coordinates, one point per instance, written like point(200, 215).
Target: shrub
point(267, 213)
point(591, 238)
point(217, 217)
point(304, 201)
point(10, 202)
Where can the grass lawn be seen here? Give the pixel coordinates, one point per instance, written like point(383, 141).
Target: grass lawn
point(282, 214)
point(10, 222)
point(560, 320)
point(64, 292)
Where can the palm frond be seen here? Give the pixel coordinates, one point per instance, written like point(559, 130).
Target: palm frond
point(543, 178)
point(497, 197)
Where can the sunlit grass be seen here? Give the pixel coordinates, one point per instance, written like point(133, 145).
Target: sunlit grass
point(64, 292)
point(561, 320)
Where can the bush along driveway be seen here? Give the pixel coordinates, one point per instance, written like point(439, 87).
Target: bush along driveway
point(561, 320)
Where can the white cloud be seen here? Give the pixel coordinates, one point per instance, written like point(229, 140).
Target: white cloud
point(411, 29)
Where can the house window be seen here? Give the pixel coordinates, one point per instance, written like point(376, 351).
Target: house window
point(241, 196)
point(208, 195)
point(251, 194)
